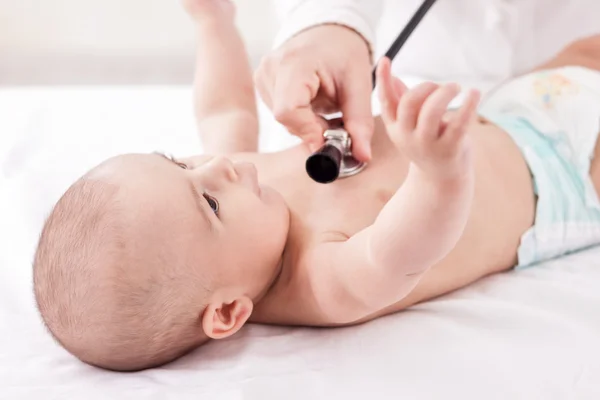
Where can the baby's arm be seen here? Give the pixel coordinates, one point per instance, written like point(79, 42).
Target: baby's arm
point(224, 96)
point(422, 222)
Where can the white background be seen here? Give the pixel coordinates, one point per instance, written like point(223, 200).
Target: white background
point(111, 41)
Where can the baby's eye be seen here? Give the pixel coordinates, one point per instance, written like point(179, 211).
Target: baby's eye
point(180, 164)
point(212, 202)
point(175, 161)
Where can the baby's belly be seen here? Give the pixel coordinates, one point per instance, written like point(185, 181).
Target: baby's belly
point(504, 203)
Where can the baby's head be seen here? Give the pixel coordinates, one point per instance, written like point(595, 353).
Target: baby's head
point(145, 258)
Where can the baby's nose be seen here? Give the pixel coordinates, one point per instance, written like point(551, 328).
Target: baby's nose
point(223, 165)
point(244, 167)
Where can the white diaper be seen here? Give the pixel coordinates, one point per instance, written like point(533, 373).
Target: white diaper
point(554, 118)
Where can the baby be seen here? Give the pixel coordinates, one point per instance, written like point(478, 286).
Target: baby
point(147, 257)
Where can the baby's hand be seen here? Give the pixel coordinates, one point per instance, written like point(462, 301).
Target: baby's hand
point(415, 123)
point(203, 10)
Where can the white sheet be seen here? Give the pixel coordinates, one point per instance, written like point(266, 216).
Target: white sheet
point(526, 335)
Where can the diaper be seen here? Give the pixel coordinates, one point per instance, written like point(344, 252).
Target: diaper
point(553, 116)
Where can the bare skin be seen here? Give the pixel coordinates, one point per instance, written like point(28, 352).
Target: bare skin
point(503, 209)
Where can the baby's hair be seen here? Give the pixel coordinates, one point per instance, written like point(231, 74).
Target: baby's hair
point(101, 296)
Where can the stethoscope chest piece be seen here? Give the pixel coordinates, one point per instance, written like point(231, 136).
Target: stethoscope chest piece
point(334, 159)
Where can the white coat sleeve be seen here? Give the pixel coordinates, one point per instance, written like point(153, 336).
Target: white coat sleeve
point(297, 15)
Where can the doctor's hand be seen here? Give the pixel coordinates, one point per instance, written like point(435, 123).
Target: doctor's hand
point(322, 70)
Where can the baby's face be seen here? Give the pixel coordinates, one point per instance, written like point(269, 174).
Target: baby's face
point(216, 216)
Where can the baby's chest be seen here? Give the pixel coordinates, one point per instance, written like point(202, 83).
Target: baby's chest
point(343, 207)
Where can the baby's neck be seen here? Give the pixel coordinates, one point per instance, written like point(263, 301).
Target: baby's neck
point(274, 281)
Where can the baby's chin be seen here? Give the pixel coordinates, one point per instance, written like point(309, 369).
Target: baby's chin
point(273, 198)
point(270, 195)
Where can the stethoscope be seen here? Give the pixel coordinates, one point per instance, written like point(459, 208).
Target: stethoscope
point(334, 159)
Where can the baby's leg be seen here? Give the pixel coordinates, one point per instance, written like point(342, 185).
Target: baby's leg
point(583, 52)
point(225, 103)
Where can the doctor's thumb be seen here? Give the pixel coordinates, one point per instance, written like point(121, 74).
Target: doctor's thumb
point(361, 133)
point(355, 104)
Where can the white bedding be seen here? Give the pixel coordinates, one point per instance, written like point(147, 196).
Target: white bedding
point(533, 334)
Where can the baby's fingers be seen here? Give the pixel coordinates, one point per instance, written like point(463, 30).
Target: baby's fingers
point(411, 104)
point(457, 127)
point(399, 86)
point(434, 108)
point(390, 90)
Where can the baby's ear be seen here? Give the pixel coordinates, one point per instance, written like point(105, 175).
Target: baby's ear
point(221, 320)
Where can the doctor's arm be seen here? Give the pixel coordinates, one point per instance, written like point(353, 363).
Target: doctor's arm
point(380, 265)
